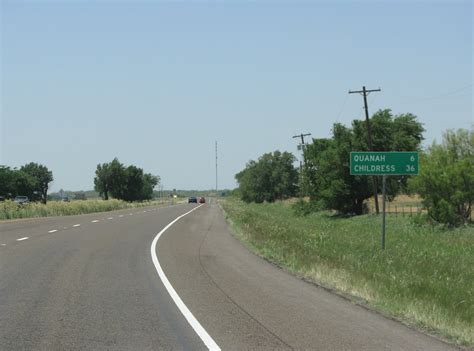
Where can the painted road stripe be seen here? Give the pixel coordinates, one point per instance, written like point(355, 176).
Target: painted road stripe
point(76, 225)
point(52, 231)
point(130, 214)
point(95, 221)
point(21, 239)
point(120, 216)
point(205, 337)
point(3, 244)
point(110, 218)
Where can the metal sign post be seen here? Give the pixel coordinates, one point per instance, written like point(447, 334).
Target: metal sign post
point(384, 164)
point(383, 211)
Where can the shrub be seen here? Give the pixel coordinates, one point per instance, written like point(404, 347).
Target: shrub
point(446, 180)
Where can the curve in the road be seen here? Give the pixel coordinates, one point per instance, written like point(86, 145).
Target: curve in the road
point(203, 334)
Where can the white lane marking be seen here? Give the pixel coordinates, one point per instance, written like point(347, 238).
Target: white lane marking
point(76, 225)
point(3, 244)
point(120, 216)
point(52, 231)
point(95, 221)
point(24, 238)
point(110, 218)
point(130, 214)
point(144, 211)
point(205, 337)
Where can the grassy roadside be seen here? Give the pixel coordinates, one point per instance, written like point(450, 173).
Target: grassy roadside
point(425, 276)
point(10, 210)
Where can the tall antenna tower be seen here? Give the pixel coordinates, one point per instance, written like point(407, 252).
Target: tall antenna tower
point(216, 168)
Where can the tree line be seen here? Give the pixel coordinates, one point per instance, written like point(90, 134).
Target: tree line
point(445, 182)
point(30, 180)
point(127, 183)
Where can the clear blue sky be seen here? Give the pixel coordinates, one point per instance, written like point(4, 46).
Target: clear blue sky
point(156, 83)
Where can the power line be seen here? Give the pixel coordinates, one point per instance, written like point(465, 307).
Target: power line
point(342, 108)
point(452, 92)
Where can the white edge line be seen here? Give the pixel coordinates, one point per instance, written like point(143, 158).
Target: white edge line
point(76, 225)
point(24, 238)
point(52, 231)
point(3, 244)
point(205, 337)
point(95, 221)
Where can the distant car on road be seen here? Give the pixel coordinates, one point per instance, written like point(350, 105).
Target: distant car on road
point(22, 200)
point(202, 200)
point(192, 199)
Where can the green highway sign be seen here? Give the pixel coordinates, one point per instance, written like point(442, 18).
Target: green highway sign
point(384, 163)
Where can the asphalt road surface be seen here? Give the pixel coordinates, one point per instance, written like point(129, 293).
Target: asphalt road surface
point(89, 282)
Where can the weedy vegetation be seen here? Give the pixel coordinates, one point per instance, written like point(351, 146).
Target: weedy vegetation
point(425, 276)
point(11, 210)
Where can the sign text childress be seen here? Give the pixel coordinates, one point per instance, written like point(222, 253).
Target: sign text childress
point(384, 163)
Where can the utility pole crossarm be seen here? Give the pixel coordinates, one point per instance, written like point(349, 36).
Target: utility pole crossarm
point(302, 137)
point(362, 91)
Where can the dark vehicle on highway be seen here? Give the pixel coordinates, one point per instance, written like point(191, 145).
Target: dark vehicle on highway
point(21, 200)
point(202, 200)
point(192, 199)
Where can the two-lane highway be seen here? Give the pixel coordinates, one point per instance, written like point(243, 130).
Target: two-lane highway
point(95, 286)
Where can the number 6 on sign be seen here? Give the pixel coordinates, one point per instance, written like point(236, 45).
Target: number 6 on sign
point(412, 159)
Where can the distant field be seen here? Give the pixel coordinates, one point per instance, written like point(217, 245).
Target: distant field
point(425, 276)
point(10, 210)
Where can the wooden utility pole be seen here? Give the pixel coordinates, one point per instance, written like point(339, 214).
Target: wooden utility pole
point(301, 162)
point(364, 92)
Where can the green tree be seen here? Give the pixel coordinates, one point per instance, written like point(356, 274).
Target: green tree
point(110, 179)
point(14, 182)
point(270, 178)
point(446, 179)
point(327, 171)
point(134, 183)
point(7, 181)
point(42, 177)
point(149, 183)
point(102, 180)
point(125, 183)
point(24, 184)
point(117, 179)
